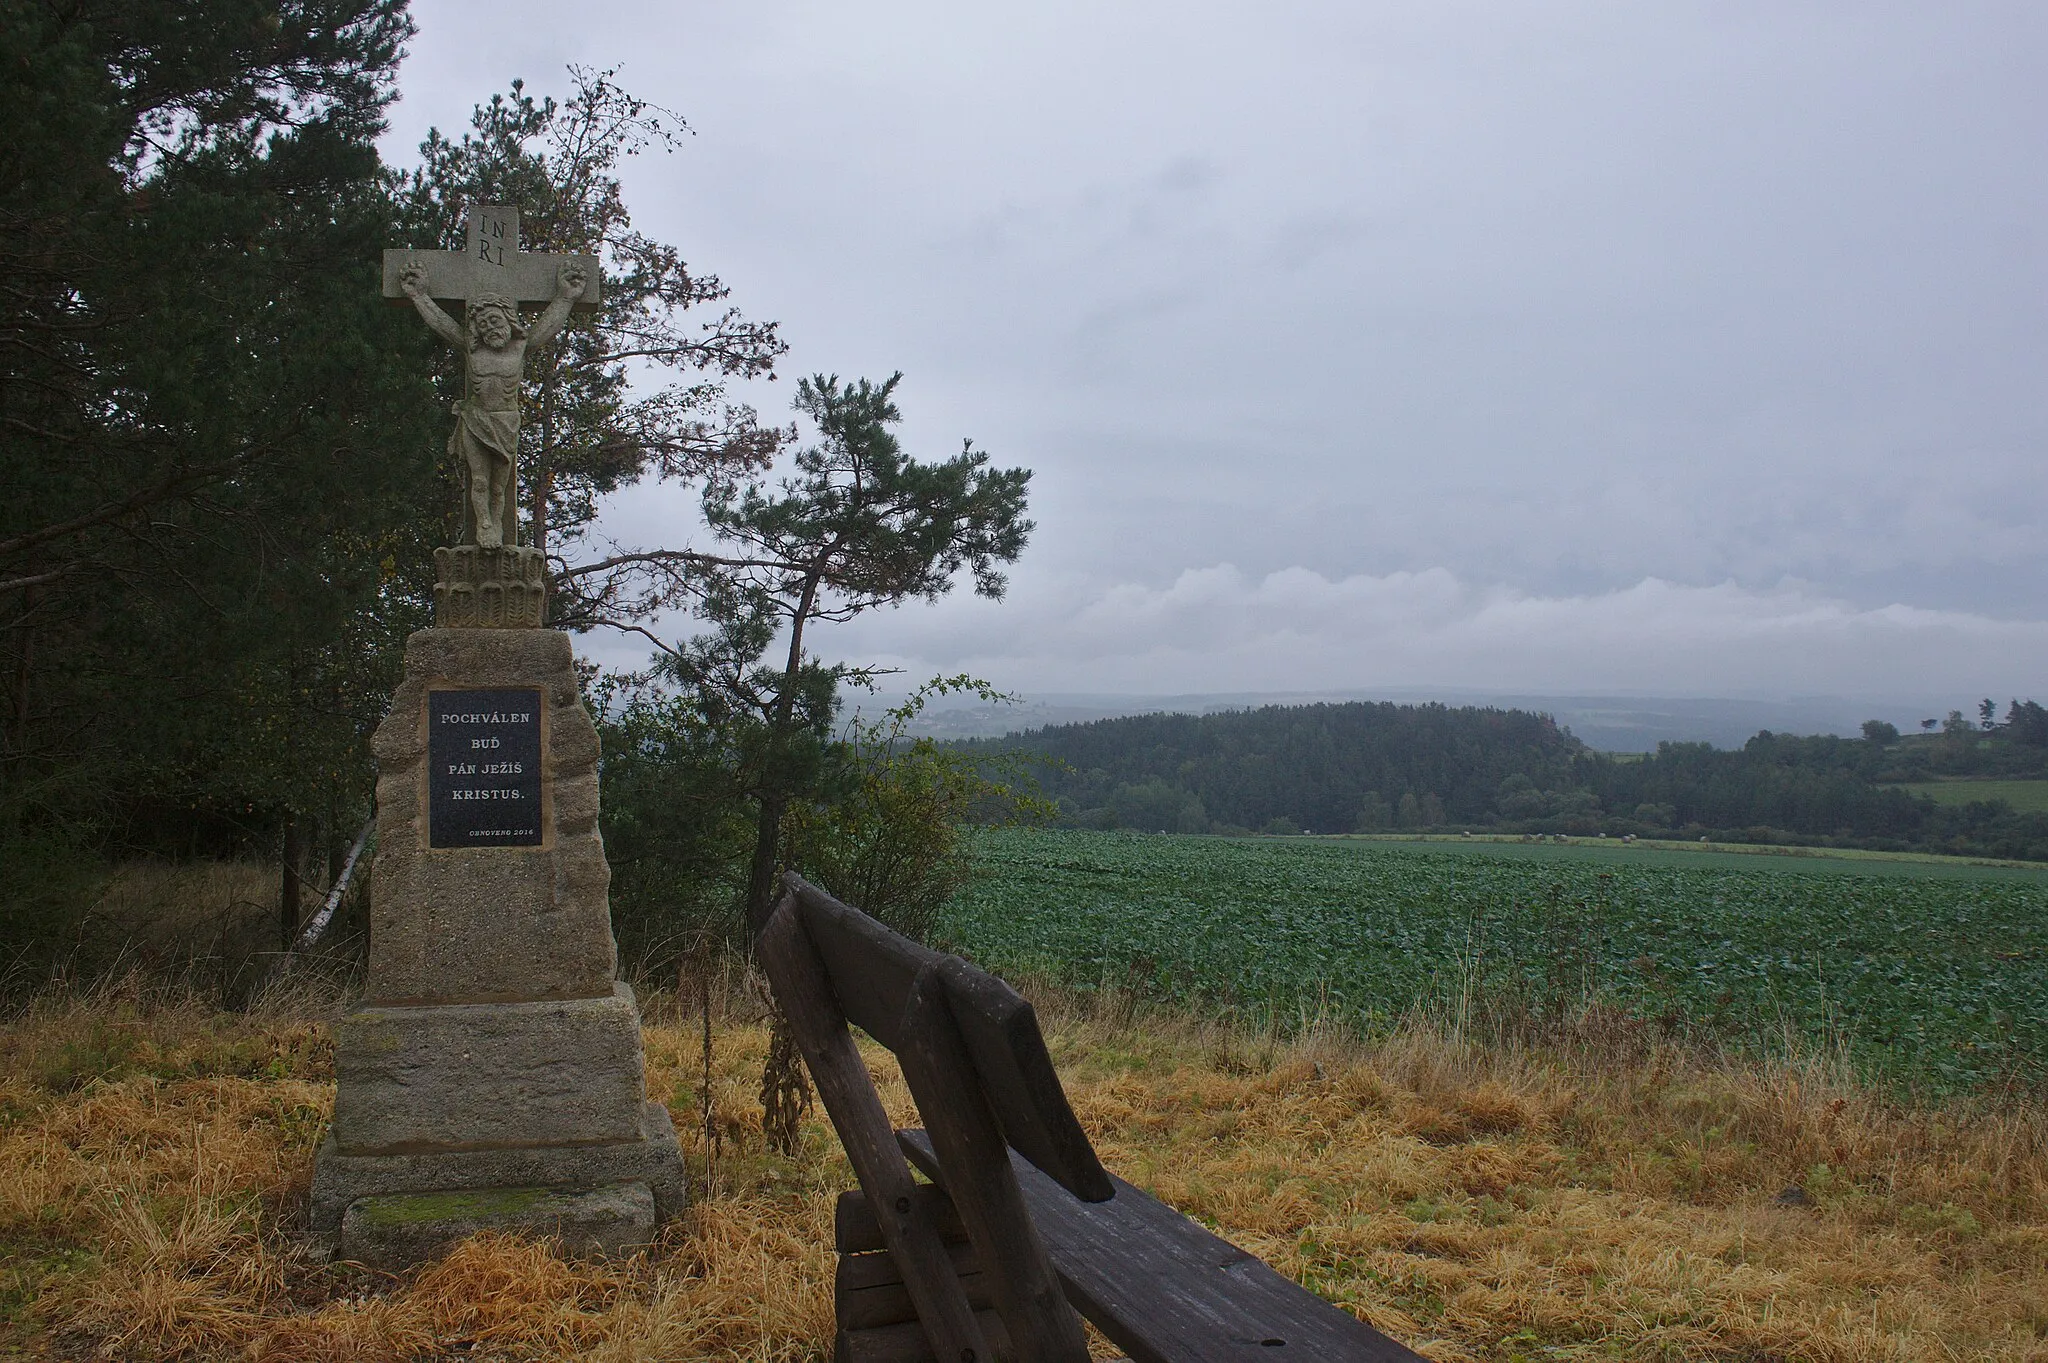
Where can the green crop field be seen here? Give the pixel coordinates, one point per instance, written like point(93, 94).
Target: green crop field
point(1924, 972)
point(2028, 797)
point(1719, 856)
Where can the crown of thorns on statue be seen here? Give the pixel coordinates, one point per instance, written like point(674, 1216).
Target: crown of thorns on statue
point(484, 302)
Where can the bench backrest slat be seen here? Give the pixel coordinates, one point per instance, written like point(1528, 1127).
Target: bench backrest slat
point(872, 971)
point(1001, 1031)
point(872, 968)
point(803, 988)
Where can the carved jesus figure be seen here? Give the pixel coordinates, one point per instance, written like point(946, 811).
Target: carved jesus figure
point(485, 442)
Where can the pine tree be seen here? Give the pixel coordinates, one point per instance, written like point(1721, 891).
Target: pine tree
point(857, 525)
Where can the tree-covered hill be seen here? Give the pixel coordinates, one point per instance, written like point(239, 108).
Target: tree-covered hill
point(1364, 767)
point(1326, 768)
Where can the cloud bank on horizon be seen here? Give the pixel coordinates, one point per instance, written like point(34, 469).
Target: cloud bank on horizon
point(1691, 348)
point(1217, 629)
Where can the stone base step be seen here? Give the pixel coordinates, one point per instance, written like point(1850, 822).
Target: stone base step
point(471, 1076)
point(340, 1180)
point(399, 1229)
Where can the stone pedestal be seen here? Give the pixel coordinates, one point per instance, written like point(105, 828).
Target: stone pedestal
point(494, 1056)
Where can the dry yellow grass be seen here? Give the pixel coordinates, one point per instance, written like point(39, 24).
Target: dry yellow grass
point(1481, 1203)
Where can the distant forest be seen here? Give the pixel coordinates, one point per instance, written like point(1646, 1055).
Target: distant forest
point(1364, 767)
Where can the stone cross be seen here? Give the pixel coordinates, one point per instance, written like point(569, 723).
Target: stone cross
point(491, 263)
point(491, 277)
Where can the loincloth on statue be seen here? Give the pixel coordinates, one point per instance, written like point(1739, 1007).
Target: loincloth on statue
point(484, 430)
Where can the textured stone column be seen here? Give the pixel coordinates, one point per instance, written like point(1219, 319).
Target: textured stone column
point(494, 1054)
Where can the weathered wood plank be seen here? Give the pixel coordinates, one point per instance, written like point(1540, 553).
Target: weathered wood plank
point(871, 967)
point(872, 970)
point(877, 1267)
point(907, 1344)
point(970, 1148)
point(864, 1308)
point(1001, 1031)
point(1167, 1291)
point(805, 995)
point(855, 1230)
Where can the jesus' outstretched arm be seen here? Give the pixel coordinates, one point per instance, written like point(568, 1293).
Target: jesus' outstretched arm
point(414, 282)
point(568, 287)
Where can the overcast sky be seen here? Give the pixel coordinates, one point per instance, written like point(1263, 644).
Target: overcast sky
point(1679, 348)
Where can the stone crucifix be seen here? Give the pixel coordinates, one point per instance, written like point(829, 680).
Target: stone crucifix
point(490, 278)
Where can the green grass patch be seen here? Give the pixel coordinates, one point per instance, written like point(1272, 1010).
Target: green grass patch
point(1937, 975)
point(2026, 797)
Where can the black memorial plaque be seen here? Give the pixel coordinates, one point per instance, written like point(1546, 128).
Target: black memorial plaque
point(483, 768)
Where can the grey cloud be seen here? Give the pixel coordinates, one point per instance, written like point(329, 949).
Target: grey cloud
point(1218, 629)
point(1548, 302)
point(1309, 238)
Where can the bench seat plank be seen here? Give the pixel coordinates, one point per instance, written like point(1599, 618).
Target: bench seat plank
point(1165, 1290)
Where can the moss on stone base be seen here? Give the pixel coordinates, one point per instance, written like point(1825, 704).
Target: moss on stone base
point(392, 1230)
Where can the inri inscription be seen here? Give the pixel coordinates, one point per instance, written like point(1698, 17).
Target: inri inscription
point(483, 767)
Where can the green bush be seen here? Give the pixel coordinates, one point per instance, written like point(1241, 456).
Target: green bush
point(881, 827)
point(890, 836)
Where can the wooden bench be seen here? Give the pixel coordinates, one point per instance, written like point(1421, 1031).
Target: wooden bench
point(1020, 1226)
